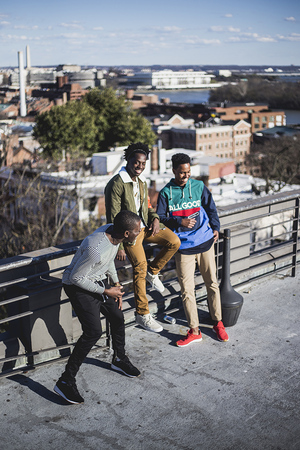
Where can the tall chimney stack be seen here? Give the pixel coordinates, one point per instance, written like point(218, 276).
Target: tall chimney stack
point(22, 85)
point(28, 65)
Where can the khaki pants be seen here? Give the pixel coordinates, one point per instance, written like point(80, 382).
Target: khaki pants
point(185, 268)
point(169, 242)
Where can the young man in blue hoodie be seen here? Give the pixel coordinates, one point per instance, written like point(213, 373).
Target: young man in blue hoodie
point(186, 207)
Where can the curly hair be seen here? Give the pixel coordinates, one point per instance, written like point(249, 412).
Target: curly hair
point(136, 148)
point(125, 221)
point(180, 158)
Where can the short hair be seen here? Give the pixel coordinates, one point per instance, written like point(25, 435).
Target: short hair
point(180, 158)
point(138, 147)
point(125, 221)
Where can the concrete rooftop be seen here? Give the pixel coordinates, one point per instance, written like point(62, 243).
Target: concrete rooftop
point(243, 394)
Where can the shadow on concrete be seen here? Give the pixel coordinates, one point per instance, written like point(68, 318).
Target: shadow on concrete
point(38, 389)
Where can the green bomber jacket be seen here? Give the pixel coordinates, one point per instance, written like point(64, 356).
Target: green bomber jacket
point(119, 196)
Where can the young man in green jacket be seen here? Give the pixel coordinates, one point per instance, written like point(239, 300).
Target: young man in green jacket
point(128, 191)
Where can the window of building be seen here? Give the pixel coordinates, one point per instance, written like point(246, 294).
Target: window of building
point(217, 145)
point(217, 134)
point(209, 135)
point(256, 125)
point(256, 119)
point(264, 118)
point(271, 119)
point(209, 147)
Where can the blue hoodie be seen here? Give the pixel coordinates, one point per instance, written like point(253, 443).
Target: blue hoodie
point(192, 200)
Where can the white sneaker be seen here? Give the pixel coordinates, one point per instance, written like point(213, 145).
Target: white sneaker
point(148, 322)
point(155, 282)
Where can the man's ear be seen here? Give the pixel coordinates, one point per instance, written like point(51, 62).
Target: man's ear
point(126, 234)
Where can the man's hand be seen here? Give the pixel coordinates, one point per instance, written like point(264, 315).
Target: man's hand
point(116, 293)
point(121, 255)
point(216, 235)
point(188, 223)
point(154, 227)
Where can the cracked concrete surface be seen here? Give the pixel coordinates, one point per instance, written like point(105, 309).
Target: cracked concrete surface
point(242, 394)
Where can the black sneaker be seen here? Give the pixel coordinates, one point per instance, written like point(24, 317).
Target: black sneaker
point(125, 367)
point(68, 391)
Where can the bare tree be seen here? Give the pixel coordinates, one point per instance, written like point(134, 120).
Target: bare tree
point(34, 214)
point(277, 161)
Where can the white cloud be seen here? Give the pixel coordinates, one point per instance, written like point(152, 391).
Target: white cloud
point(265, 39)
point(25, 27)
point(290, 19)
point(168, 29)
point(4, 22)
point(234, 39)
point(291, 37)
point(98, 28)
point(251, 37)
point(75, 36)
point(228, 15)
point(173, 28)
point(220, 29)
point(217, 28)
point(74, 25)
point(196, 41)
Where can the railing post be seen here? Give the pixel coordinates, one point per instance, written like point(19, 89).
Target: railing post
point(295, 237)
point(231, 301)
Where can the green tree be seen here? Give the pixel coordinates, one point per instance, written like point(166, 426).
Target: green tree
point(100, 121)
point(71, 127)
point(119, 123)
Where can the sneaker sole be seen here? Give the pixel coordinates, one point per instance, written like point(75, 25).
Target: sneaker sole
point(221, 340)
point(158, 330)
point(154, 287)
point(158, 290)
point(59, 392)
point(118, 369)
point(186, 345)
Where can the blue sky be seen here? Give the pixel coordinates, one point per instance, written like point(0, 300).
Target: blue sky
point(131, 32)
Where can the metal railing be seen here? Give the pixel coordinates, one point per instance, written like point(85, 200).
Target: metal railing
point(37, 324)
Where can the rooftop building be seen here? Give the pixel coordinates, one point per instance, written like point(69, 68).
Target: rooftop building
point(169, 79)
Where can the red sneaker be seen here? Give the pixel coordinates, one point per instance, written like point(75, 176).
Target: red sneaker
point(221, 332)
point(189, 339)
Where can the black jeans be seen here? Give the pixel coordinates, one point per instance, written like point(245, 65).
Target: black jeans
point(87, 306)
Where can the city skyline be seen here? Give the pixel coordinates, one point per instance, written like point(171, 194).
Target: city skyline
point(163, 33)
